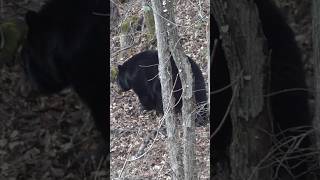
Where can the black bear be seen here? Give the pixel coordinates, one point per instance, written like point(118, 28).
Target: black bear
point(140, 73)
point(66, 47)
point(289, 109)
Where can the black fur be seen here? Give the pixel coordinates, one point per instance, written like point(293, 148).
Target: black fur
point(66, 47)
point(289, 109)
point(140, 73)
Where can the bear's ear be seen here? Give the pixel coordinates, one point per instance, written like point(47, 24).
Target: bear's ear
point(32, 18)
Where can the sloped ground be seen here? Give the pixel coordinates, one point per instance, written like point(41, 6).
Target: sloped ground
point(42, 137)
point(132, 131)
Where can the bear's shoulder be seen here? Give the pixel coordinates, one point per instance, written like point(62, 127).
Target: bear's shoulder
point(142, 58)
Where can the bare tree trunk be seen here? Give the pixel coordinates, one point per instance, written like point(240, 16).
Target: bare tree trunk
point(316, 57)
point(243, 44)
point(166, 88)
point(208, 58)
point(148, 19)
point(114, 15)
point(167, 33)
point(188, 106)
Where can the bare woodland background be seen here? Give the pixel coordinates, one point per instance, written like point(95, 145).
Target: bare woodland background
point(129, 126)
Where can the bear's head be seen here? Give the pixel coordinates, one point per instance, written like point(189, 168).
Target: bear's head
point(41, 54)
point(123, 78)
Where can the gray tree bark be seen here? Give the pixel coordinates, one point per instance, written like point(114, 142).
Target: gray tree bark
point(188, 106)
point(174, 150)
point(243, 42)
point(208, 58)
point(166, 31)
point(114, 15)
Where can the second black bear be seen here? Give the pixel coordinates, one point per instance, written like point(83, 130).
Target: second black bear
point(66, 47)
point(289, 109)
point(140, 73)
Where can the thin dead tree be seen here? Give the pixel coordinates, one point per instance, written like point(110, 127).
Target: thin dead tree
point(168, 40)
point(166, 87)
